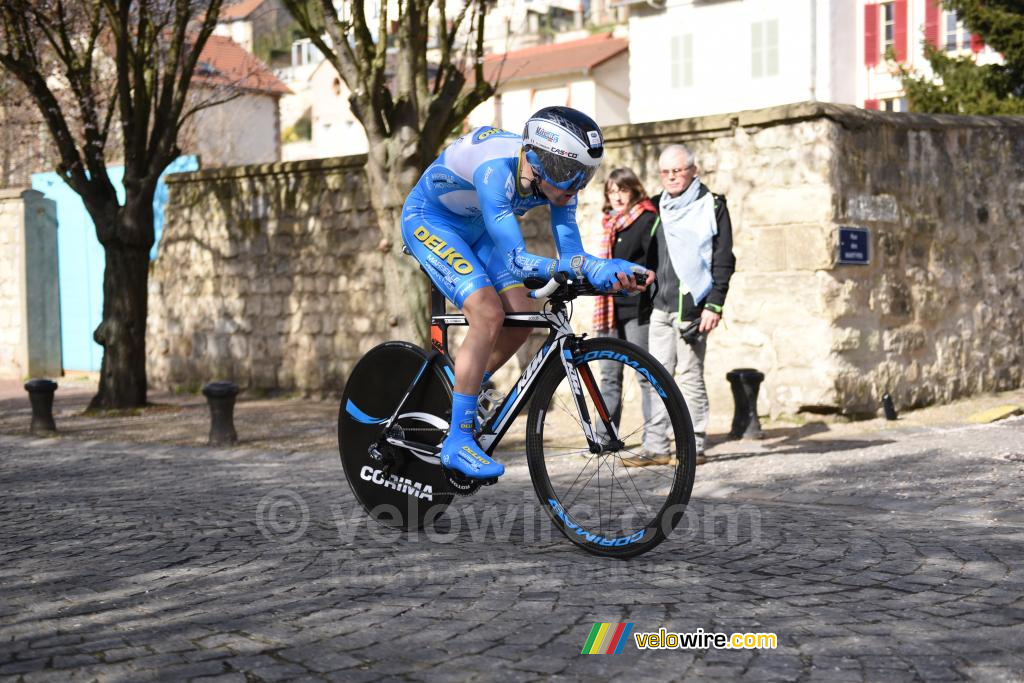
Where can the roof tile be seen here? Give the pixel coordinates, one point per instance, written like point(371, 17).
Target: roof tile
point(225, 62)
point(239, 10)
point(547, 60)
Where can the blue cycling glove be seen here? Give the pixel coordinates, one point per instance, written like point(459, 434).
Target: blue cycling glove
point(598, 271)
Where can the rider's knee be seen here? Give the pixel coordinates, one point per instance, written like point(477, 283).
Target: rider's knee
point(485, 313)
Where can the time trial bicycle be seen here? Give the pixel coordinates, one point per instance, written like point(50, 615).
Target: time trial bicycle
point(585, 462)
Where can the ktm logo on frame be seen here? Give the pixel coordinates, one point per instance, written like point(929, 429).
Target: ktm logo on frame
point(607, 639)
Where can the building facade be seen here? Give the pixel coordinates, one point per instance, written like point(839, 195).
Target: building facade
point(591, 74)
point(695, 57)
point(240, 121)
point(700, 57)
point(896, 32)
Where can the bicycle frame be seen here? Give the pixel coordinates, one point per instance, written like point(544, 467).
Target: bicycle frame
point(562, 342)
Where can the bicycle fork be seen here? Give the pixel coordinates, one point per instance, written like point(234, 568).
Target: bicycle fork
point(582, 379)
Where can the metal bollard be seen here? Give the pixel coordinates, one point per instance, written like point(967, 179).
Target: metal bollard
point(888, 408)
point(745, 383)
point(221, 398)
point(40, 395)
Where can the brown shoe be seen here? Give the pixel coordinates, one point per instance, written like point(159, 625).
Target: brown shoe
point(648, 460)
point(701, 459)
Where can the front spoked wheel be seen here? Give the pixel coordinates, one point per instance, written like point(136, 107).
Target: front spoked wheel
point(625, 500)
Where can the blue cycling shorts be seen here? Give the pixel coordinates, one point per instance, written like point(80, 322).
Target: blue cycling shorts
point(457, 267)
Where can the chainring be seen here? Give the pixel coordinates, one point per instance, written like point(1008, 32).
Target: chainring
point(461, 484)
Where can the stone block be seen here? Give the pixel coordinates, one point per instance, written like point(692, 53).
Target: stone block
point(809, 247)
point(747, 306)
point(881, 208)
point(762, 249)
point(904, 340)
point(239, 346)
point(263, 375)
point(788, 205)
point(847, 339)
point(311, 324)
point(790, 389)
point(802, 346)
point(269, 306)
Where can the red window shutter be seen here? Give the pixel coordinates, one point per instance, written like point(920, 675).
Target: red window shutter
point(976, 43)
point(871, 104)
point(900, 33)
point(871, 34)
point(932, 20)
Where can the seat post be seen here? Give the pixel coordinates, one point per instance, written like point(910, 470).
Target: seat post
point(438, 332)
point(437, 301)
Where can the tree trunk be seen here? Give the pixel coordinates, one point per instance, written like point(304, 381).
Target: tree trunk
point(405, 285)
point(122, 333)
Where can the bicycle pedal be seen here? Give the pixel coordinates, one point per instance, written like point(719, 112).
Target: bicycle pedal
point(487, 404)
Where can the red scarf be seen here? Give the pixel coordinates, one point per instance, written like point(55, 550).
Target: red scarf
point(614, 222)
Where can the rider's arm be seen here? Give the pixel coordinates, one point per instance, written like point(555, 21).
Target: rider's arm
point(495, 192)
point(566, 232)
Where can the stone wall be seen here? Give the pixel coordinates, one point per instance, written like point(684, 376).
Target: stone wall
point(267, 274)
point(29, 290)
point(940, 312)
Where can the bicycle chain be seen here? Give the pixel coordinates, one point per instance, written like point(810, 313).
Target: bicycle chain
point(457, 487)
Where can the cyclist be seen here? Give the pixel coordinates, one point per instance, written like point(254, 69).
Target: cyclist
point(460, 223)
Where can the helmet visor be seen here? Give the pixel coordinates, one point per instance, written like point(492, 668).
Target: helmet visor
point(560, 171)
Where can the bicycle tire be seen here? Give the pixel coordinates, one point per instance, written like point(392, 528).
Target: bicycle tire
point(552, 464)
point(416, 491)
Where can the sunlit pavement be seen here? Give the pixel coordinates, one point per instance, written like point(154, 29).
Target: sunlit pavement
point(898, 556)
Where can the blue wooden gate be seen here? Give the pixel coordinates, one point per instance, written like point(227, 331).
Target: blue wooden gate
point(81, 261)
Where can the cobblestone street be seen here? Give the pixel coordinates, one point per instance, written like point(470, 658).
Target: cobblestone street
point(896, 556)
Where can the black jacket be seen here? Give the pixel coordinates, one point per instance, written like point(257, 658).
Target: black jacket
point(634, 244)
point(723, 263)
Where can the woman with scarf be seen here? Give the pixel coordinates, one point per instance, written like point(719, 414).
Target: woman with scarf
point(629, 220)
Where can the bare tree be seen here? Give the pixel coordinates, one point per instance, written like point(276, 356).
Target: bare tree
point(407, 106)
point(101, 71)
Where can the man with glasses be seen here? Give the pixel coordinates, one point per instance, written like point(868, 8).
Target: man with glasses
point(694, 261)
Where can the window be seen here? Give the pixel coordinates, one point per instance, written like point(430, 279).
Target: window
point(764, 49)
point(957, 36)
point(305, 52)
point(682, 61)
point(893, 104)
point(888, 26)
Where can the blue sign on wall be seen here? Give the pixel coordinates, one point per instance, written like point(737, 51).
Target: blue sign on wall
point(854, 245)
point(81, 261)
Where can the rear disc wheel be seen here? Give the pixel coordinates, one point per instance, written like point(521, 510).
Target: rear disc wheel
point(400, 488)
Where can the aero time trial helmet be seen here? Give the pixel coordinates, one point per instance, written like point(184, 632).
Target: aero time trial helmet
point(564, 146)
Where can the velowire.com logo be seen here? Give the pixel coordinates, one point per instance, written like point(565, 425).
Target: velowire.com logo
point(607, 639)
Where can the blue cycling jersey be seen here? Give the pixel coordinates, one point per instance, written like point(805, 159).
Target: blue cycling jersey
point(460, 219)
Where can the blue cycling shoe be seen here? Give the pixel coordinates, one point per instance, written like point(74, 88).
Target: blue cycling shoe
point(462, 454)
